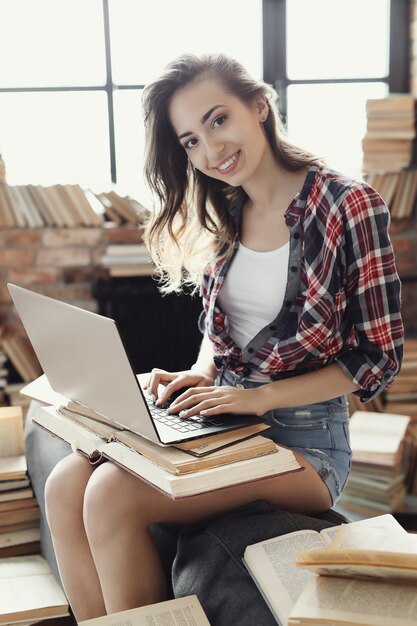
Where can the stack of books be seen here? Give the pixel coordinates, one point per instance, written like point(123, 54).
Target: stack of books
point(398, 189)
point(377, 480)
point(195, 466)
point(388, 144)
point(206, 464)
point(127, 260)
point(401, 396)
point(36, 206)
point(19, 510)
point(4, 376)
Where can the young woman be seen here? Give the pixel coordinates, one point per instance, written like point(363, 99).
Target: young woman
point(301, 307)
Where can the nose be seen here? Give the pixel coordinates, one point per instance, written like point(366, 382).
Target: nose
point(214, 149)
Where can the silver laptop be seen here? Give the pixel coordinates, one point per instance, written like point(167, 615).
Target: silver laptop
point(84, 359)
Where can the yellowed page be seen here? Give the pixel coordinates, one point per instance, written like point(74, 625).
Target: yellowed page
point(185, 611)
point(353, 602)
point(349, 535)
point(368, 545)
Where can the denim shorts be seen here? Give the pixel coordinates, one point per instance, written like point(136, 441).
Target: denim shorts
point(319, 432)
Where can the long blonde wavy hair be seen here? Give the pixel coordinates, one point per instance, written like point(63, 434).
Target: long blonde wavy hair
point(192, 226)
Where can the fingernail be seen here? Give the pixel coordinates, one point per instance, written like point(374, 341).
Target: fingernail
point(153, 397)
point(183, 413)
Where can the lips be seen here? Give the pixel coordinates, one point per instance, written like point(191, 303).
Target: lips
point(229, 164)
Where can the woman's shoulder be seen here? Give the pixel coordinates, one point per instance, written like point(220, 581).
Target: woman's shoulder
point(334, 192)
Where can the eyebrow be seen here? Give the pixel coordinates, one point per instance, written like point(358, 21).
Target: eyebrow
point(203, 119)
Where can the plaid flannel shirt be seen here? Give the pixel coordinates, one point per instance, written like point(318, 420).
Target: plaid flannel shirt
point(342, 300)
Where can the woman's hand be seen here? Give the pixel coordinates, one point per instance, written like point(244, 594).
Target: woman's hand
point(174, 381)
point(215, 400)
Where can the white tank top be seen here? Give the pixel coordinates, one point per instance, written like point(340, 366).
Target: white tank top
point(253, 292)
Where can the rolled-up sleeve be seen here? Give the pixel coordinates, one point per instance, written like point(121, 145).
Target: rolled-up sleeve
point(373, 292)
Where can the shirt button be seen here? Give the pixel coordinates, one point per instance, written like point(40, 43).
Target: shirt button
point(294, 268)
point(288, 303)
point(272, 327)
point(251, 350)
point(296, 235)
point(239, 386)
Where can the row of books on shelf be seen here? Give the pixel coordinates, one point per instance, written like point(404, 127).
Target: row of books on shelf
point(389, 142)
point(37, 206)
point(398, 189)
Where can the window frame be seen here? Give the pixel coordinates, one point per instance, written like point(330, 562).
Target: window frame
point(274, 64)
point(275, 55)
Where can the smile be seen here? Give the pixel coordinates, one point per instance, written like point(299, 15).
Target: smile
point(229, 164)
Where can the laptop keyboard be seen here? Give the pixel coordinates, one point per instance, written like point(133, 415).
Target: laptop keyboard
point(196, 422)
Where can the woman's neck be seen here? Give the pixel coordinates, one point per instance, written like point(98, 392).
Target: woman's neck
point(273, 187)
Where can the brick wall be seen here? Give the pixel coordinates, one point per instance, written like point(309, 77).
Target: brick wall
point(61, 263)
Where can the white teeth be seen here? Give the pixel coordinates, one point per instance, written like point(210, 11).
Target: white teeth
point(227, 163)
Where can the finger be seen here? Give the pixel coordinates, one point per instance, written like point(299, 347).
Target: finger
point(217, 410)
point(201, 406)
point(171, 387)
point(190, 398)
point(156, 379)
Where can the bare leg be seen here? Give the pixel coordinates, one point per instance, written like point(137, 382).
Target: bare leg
point(64, 496)
point(119, 508)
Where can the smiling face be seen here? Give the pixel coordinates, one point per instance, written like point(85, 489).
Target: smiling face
point(222, 136)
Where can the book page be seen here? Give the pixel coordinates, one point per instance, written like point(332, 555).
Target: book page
point(356, 602)
point(27, 584)
point(271, 564)
point(179, 612)
point(40, 390)
point(338, 536)
point(370, 553)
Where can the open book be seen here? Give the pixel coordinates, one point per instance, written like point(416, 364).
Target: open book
point(365, 553)
point(185, 611)
point(271, 563)
point(130, 454)
point(344, 602)
point(29, 591)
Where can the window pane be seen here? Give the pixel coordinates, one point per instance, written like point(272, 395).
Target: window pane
point(59, 137)
point(51, 43)
point(130, 139)
point(146, 35)
point(330, 120)
point(337, 38)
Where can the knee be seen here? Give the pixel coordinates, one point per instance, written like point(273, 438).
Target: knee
point(106, 502)
point(64, 491)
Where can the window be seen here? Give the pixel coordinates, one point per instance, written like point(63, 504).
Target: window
point(329, 57)
point(72, 73)
point(70, 90)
